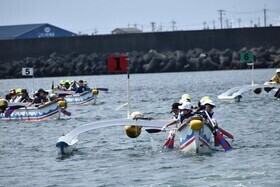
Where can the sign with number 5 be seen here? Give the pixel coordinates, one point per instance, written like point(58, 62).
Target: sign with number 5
point(27, 71)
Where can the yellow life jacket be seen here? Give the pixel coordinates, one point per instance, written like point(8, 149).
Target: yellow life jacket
point(275, 79)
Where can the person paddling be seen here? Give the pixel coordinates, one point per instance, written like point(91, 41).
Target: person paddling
point(81, 87)
point(276, 80)
point(40, 98)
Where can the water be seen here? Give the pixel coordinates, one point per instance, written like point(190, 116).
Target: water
point(106, 157)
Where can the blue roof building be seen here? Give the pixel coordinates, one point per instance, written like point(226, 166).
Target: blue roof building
point(44, 30)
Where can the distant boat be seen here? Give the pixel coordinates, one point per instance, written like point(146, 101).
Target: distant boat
point(72, 98)
point(236, 92)
point(21, 111)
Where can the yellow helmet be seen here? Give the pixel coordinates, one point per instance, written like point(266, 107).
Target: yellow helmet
point(61, 82)
point(18, 91)
point(68, 82)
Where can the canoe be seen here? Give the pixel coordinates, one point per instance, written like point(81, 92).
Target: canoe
point(72, 98)
point(195, 137)
point(24, 112)
point(236, 92)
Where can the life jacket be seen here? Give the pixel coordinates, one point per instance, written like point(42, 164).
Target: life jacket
point(185, 116)
point(276, 79)
point(38, 101)
point(80, 89)
point(203, 114)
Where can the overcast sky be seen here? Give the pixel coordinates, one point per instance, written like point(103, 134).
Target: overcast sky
point(102, 16)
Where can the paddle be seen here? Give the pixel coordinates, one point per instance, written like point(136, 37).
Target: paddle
point(65, 112)
point(10, 110)
point(103, 89)
point(218, 135)
point(153, 130)
point(226, 133)
point(170, 141)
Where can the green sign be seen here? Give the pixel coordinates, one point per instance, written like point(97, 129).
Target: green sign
point(247, 57)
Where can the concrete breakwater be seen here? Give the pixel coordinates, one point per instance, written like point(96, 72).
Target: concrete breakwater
point(196, 59)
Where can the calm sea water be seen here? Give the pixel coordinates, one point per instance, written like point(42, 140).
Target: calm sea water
point(107, 157)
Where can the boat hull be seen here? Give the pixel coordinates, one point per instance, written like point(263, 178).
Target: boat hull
point(195, 141)
point(48, 111)
point(78, 98)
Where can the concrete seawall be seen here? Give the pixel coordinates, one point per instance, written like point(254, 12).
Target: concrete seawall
point(149, 52)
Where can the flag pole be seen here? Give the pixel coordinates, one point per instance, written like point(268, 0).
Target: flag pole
point(128, 88)
point(33, 84)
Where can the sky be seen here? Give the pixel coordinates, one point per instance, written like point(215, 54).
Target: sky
point(103, 16)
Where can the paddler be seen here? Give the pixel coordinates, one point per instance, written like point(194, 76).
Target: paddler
point(276, 80)
point(40, 98)
point(185, 112)
point(81, 87)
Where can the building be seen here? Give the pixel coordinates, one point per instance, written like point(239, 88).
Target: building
point(44, 30)
point(126, 30)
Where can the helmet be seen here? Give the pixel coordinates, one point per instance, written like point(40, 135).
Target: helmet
point(208, 102)
point(278, 70)
point(186, 97)
point(18, 91)
point(185, 105)
point(61, 82)
point(68, 82)
point(203, 99)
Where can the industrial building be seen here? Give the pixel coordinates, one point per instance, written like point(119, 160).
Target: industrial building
point(28, 31)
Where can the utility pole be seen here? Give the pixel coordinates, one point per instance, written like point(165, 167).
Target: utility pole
point(204, 25)
point(221, 17)
point(153, 26)
point(259, 21)
point(227, 23)
point(239, 22)
point(214, 27)
point(160, 28)
point(251, 23)
point(264, 16)
point(95, 31)
point(135, 25)
point(173, 25)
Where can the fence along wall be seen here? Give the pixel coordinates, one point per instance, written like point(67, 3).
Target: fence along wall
point(161, 41)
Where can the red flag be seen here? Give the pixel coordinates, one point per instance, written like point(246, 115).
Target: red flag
point(117, 64)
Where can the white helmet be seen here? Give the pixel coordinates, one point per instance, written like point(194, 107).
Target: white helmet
point(185, 105)
point(209, 102)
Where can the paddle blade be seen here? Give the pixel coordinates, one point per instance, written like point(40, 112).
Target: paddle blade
point(225, 133)
point(169, 144)
point(153, 130)
point(65, 112)
point(10, 110)
point(103, 89)
point(222, 141)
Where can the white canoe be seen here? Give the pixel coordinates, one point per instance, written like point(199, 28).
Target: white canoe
point(236, 92)
point(30, 113)
point(195, 141)
point(72, 98)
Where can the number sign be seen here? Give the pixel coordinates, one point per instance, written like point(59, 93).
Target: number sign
point(247, 57)
point(117, 64)
point(27, 71)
